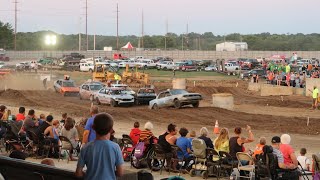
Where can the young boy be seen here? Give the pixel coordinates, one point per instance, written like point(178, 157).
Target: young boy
point(303, 160)
point(102, 157)
point(135, 133)
point(259, 147)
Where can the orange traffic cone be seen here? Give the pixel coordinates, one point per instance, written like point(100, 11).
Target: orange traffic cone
point(216, 128)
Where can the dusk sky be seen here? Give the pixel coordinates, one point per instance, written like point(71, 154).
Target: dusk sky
point(217, 16)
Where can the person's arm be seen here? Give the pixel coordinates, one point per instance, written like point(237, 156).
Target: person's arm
point(85, 136)
point(247, 140)
point(79, 172)
point(76, 134)
point(119, 162)
point(86, 132)
point(294, 159)
point(47, 130)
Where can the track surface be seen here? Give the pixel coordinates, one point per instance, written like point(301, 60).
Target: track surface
point(53, 102)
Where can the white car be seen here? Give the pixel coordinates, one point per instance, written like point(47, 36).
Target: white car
point(131, 63)
point(86, 67)
point(175, 98)
point(88, 89)
point(210, 68)
point(113, 96)
point(111, 63)
point(1, 64)
point(146, 63)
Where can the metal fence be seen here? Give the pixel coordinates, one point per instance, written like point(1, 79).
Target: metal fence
point(177, 55)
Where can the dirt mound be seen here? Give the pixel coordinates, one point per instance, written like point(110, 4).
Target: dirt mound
point(10, 93)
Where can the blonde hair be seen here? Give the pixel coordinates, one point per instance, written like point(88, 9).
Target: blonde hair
point(192, 134)
point(204, 131)
point(223, 137)
point(148, 126)
point(285, 139)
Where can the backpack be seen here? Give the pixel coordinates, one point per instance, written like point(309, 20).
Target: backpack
point(139, 149)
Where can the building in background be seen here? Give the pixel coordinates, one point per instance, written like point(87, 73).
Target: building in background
point(232, 46)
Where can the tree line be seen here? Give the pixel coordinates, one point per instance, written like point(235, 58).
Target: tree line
point(29, 41)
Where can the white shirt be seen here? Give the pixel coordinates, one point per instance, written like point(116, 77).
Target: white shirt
point(303, 160)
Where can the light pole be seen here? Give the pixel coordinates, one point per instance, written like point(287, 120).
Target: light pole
point(50, 41)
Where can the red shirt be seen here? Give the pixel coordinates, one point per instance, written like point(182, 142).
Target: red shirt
point(135, 135)
point(20, 117)
point(286, 150)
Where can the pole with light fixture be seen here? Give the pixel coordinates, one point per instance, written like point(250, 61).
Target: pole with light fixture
point(50, 41)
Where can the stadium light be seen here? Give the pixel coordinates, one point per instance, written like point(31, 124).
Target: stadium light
point(51, 40)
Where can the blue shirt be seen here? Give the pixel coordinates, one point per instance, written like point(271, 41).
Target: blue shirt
point(92, 133)
point(101, 158)
point(183, 143)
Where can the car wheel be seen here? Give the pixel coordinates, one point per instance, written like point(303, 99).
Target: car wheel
point(137, 102)
point(90, 70)
point(192, 172)
point(177, 104)
point(195, 105)
point(98, 101)
point(113, 103)
point(165, 68)
point(155, 106)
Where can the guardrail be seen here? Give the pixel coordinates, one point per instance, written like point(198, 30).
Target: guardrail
point(177, 55)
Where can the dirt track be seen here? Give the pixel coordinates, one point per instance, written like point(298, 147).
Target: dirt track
point(55, 103)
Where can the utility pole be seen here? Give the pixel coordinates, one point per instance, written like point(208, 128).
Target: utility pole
point(15, 23)
point(117, 27)
point(87, 43)
point(187, 35)
point(142, 31)
point(165, 37)
point(80, 34)
point(94, 41)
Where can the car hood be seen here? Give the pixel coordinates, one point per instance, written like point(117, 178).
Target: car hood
point(123, 96)
point(71, 89)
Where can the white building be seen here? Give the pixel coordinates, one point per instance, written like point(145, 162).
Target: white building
point(232, 46)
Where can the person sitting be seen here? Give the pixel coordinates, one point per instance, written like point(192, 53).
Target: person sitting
point(275, 143)
point(185, 145)
point(135, 133)
point(146, 135)
point(203, 135)
point(30, 123)
point(70, 132)
point(221, 143)
point(288, 151)
point(41, 119)
point(236, 142)
point(44, 126)
point(259, 147)
point(64, 118)
point(2, 110)
point(166, 140)
point(21, 115)
point(303, 160)
point(52, 135)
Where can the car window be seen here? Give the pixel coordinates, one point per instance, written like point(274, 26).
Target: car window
point(162, 95)
point(95, 87)
point(102, 91)
point(178, 91)
point(68, 84)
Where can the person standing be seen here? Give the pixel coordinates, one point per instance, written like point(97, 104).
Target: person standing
point(102, 157)
point(315, 95)
point(89, 134)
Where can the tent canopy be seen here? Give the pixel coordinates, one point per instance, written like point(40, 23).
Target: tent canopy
point(128, 46)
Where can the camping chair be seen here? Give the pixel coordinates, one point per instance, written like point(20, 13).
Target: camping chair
point(175, 150)
point(241, 167)
point(67, 146)
point(216, 164)
point(159, 155)
point(36, 144)
point(127, 147)
point(227, 163)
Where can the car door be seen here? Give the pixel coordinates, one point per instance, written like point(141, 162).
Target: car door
point(165, 99)
point(108, 96)
point(58, 85)
point(86, 92)
point(101, 96)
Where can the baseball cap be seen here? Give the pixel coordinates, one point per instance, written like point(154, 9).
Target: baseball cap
point(276, 139)
point(2, 108)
